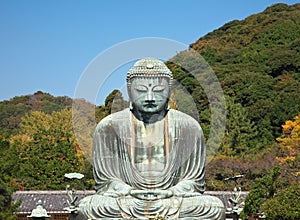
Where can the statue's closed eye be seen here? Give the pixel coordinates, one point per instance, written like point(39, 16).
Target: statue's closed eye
point(141, 89)
point(158, 89)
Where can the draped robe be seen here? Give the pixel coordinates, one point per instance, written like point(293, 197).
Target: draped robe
point(115, 171)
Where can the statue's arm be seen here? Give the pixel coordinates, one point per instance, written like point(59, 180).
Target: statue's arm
point(192, 178)
point(105, 163)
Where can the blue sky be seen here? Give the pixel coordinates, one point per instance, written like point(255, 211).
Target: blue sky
point(45, 45)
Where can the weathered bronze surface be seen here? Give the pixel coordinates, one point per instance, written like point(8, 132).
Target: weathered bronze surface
point(149, 160)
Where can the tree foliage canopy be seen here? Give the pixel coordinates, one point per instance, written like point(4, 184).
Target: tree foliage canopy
point(42, 152)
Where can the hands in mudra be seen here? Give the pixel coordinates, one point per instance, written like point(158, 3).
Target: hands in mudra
point(151, 194)
point(118, 189)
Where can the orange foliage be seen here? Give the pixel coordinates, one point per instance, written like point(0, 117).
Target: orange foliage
point(290, 140)
point(79, 152)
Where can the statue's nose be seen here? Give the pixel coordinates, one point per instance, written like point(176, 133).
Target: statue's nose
point(150, 96)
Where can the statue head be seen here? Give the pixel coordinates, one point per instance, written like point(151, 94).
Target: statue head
point(149, 86)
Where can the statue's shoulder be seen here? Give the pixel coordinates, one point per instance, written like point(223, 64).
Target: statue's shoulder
point(178, 115)
point(184, 119)
point(114, 119)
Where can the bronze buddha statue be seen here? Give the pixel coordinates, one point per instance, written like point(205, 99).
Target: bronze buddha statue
point(149, 160)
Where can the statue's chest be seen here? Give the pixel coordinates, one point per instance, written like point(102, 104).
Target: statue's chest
point(149, 152)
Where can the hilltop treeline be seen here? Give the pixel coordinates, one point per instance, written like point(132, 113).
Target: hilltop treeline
point(257, 62)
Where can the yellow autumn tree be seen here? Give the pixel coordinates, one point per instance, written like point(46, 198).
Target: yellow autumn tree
point(52, 127)
point(289, 142)
point(46, 149)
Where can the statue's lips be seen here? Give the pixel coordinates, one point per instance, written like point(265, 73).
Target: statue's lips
point(150, 105)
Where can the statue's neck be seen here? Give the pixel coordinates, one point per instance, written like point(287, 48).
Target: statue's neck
point(149, 118)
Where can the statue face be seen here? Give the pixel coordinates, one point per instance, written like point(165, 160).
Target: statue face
point(150, 94)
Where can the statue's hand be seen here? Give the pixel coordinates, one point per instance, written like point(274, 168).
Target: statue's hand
point(184, 189)
point(117, 189)
point(151, 194)
point(187, 194)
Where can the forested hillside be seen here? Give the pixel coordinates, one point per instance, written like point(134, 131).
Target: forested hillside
point(38, 144)
point(12, 110)
point(257, 61)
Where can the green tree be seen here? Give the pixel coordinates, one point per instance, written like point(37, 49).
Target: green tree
point(46, 149)
point(285, 205)
point(6, 208)
point(262, 190)
point(286, 102)
point(114, 102)
point(241, 133)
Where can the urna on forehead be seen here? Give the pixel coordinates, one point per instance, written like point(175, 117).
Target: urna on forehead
point(149, 67)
